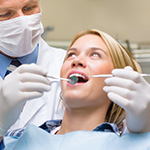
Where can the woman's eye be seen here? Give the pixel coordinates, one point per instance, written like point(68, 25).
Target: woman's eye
point(95, 55)
point(71, 55)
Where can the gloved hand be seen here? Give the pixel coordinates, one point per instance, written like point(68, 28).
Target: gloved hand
point(24, 83)
point(132, 92)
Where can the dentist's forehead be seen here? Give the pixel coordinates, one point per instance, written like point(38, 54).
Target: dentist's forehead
point(15, 2)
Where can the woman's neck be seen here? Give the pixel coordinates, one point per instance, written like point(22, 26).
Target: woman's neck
point(81, 119)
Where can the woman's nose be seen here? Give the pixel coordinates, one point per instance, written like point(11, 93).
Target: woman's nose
point(79, 62)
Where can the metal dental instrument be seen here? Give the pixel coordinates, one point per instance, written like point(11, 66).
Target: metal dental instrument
point(101, 76)
point(12, 68)
point(110, 75)
point(74, 79)
point(58, 78)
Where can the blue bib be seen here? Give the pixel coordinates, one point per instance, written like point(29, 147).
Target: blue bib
point(35, 138)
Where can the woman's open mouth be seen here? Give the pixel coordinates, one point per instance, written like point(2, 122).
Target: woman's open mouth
point(77, 78)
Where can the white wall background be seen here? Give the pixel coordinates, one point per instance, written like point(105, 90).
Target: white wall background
point(123, 19)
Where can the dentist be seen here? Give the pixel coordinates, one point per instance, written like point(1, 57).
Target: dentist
point(27, 86)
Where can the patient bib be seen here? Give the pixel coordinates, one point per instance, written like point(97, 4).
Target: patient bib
point(36, 138)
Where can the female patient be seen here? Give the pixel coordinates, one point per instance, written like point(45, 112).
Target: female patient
point(87, 106)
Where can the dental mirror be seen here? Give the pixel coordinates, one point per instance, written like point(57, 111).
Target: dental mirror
point(73, 80)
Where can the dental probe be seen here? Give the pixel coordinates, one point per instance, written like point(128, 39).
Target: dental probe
point(11, 68)
point(57, 78)
point(74, 79)
point(110, 75)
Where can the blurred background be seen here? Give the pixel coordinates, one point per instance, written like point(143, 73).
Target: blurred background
point(128, 21)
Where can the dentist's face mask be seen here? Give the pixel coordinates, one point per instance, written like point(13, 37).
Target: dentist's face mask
point(20, 36)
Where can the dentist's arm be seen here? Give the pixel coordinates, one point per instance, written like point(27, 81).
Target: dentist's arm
point(132, 92)
point(24, 83)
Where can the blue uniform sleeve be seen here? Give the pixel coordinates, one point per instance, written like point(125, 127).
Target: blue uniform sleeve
point(2, 145)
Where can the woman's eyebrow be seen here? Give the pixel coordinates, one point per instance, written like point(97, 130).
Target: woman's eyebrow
point(98, 48)
point(72, 49)
point(91, 48)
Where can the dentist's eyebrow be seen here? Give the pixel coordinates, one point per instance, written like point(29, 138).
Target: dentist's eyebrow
point(32, 1)
point(2, 9)
point(9, 8)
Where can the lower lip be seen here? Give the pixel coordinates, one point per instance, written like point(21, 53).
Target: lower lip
point(77, 84)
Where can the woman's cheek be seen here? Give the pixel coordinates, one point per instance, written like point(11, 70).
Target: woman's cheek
point(104, 68)
point(64, 69)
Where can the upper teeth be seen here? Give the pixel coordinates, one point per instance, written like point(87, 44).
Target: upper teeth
point(77, 75)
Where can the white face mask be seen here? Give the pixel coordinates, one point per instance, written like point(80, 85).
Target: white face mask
point(20, 36)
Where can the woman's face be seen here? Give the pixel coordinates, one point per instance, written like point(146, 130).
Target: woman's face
point(87, 56)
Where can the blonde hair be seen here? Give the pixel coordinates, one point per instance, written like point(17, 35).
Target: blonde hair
point(120, 58)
